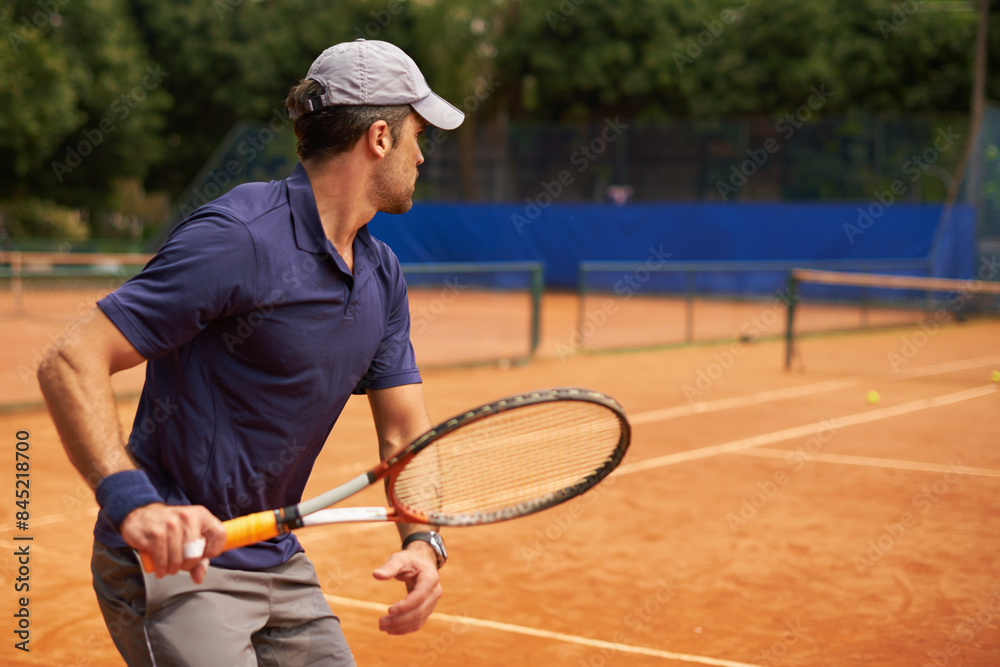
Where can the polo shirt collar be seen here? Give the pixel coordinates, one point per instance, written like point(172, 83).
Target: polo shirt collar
point(309, 234)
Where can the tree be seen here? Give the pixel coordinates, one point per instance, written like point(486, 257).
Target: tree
point(80, 104)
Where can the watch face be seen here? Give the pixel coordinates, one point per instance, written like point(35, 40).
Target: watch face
point(438, 543)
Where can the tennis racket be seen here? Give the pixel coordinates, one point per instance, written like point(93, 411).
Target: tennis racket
point(500, 461)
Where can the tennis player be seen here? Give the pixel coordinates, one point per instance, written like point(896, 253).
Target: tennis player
point(262, 313)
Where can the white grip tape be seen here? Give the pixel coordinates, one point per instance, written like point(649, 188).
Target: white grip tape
point(195, 549)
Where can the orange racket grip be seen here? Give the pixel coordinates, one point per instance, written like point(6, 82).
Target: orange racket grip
point(245, 530)
point(240, 532)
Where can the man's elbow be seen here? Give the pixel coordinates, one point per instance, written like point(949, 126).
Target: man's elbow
point(61, 362)
point(52, 367)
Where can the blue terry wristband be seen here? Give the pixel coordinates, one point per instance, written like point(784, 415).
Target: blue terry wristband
point(124, 491)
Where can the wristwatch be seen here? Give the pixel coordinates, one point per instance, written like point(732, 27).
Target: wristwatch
point(433, 539)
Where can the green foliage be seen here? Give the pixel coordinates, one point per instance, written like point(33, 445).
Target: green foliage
point(717, 58)
point(80, 103)
point(37, 218)
point(72, 72)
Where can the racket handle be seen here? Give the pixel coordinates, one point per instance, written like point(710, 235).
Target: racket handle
point(240, 532)
point(245, 530)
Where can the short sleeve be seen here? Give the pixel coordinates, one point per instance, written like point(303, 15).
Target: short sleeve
point(207, 269)
point(394, 363)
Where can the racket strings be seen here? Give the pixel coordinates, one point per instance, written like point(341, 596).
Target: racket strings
point(511, 458)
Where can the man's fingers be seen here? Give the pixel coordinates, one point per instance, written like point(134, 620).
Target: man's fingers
point(401, 621)
point(174, 538)
point(420, 589)
point(214, 534)
point(424, 586)
point(204, 538)
point(199, 571)
point(391, 568)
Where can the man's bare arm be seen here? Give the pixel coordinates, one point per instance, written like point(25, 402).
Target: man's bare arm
point(400, 417)
point(75, 377)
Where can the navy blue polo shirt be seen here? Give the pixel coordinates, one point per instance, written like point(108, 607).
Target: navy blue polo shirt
point(256, 334)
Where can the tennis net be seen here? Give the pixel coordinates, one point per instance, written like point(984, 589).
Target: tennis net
point(475, 313)
point(904, 326)
point(654, 303)
point(461, 314)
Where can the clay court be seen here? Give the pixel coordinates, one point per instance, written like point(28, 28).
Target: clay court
point(761, 517)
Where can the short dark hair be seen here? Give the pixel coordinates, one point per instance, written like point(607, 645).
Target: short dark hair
point(336, 129)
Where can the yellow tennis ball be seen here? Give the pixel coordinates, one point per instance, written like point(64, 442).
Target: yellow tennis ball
point(873, 396)
point(995, 376)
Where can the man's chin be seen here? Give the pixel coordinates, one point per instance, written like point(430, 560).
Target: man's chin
point(397, 208)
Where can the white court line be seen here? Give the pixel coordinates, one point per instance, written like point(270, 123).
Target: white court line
point(546, 634)
point(947, 367)
point(806, 430)
point(872, 462)
point(802, 390)
point(740, 401)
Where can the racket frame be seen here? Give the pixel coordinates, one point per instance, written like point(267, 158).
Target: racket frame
point(313, 512)
point(268, 524)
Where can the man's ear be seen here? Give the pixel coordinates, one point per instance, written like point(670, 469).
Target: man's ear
point(379, 138)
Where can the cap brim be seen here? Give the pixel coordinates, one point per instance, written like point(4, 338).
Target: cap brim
point(438, 112)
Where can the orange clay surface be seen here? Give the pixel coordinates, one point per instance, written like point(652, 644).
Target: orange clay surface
point(762, 516)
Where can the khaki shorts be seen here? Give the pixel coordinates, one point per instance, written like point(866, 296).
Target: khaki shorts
point(240, 618)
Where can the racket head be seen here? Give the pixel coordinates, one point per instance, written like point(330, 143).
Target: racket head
point(509, 458)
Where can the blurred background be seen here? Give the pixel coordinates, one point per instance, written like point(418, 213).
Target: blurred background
point(119, 116)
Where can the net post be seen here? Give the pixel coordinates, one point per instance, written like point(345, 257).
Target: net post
point(689, 306)
point(537, 286)
point(793, 286)
point(581, 301)
point(865, 304)
point(16, 287)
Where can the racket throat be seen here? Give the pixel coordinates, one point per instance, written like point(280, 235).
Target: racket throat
point(288, 519)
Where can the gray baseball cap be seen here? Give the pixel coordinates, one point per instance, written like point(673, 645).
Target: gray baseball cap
point(370, 72)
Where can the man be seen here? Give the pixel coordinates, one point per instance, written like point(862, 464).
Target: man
point(262, 313)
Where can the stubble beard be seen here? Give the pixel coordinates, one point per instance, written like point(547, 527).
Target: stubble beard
point(390, 190)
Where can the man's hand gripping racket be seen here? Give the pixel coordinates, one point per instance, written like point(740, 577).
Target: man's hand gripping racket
point(500, 461)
